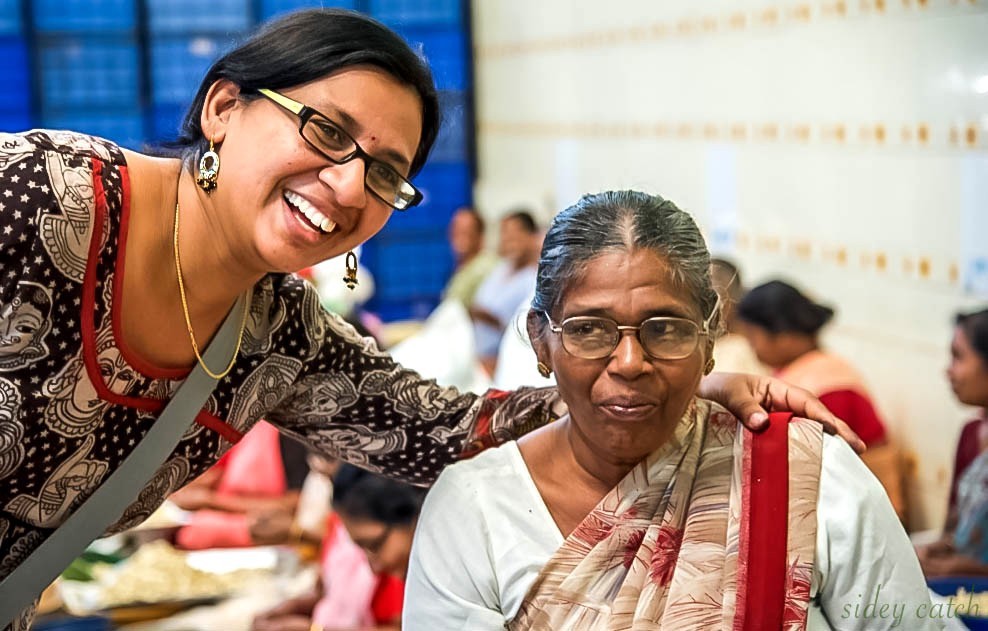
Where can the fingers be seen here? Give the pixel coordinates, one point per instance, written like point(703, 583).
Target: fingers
point(801, 402)
point(832, 425)
point(754, 417)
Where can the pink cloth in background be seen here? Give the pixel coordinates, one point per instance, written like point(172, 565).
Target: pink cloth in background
point(349, 583)
point(253, 468)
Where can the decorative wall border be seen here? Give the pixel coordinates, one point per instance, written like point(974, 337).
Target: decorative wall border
point(961, 134)
point(769, 17)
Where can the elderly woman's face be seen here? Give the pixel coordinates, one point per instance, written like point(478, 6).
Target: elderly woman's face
point(626, 403)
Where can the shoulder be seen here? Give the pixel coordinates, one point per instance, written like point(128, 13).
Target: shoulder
point(483, 474)
point(478, 491)
point(849, 491)
point(71, 147)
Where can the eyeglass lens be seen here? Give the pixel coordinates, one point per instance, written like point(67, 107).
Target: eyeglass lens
point(662, 338)
point(338, 146)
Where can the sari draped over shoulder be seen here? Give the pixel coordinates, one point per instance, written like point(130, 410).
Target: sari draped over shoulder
point(668, 547)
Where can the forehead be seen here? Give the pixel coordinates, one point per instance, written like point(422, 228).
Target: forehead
point(632, 283)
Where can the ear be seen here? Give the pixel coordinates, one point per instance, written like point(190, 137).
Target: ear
point(221, 100)
point(537, 326)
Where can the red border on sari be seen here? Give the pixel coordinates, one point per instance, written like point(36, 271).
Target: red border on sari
point(762, 564)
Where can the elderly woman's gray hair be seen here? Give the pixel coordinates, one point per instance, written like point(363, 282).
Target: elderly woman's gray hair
point(623, 221)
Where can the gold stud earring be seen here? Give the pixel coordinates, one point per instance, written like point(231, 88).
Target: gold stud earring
point(209, 169)
point(709, 368)
point(544, 370)
point(350, 278)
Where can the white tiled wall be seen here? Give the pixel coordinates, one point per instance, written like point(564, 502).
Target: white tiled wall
point(840, 144)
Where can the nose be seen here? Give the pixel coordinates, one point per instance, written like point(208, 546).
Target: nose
point(347, 182)
point(629, 359)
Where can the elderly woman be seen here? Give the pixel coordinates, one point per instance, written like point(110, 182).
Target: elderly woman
point(646, 506)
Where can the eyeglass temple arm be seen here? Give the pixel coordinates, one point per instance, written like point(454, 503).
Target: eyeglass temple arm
point(292, 106)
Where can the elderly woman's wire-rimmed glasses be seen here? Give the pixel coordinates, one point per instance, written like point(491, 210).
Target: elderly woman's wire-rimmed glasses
point(336, 145)
point(668, 338)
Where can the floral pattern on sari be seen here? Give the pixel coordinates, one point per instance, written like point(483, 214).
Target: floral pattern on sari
point(660, 551)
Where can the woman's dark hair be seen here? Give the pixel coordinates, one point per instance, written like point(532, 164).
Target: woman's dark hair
point(623, 221)
point(975, 327)
point(305, 46)
point(779, 307)
point(525, 218)
point(361, 494)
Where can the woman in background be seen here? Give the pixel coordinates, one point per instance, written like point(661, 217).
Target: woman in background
point(783, 326)
point(364, 562)
point(963, 548)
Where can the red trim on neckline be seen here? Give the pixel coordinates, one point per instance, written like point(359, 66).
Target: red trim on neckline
point(219, 426)
point(87, 321)
point(87, 318)
point(147, 368)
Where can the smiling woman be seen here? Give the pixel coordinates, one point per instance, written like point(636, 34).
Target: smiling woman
point(638, 509)
point(120, 266)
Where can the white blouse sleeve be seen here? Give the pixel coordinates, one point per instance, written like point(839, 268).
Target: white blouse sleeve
point(451, 582)
point(866, 570)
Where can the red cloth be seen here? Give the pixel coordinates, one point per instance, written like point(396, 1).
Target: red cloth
point(858, 412)
point(388, 599)
point(764, 568)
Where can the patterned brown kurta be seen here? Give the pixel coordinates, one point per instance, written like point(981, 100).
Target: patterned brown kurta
point(74, 400)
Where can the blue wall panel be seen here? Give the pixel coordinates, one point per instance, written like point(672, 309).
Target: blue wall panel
point(413, 12)
point(84, 15)
point(89, 72)
point(447, 54)
point(126, 128)
point(275, 7)
point(15, 94)
point(179, 63)
point(10, 18)
point(208, 16)
point(452, 144)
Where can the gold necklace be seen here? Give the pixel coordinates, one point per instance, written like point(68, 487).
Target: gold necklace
point(188, 320)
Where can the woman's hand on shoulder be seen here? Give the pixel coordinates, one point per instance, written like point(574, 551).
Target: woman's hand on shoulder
point(752, 397)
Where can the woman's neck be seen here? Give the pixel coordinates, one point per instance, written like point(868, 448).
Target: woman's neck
point(151, 304)
point(595, 465)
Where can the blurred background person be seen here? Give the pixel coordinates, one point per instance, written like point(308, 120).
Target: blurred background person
point(466, 240)
point(733, 352)
point(261, 474)
point(783, 326)
point(364, 559)
point(963, 547)
point(507, 285)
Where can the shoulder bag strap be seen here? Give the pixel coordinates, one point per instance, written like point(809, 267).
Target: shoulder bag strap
point(105, 506)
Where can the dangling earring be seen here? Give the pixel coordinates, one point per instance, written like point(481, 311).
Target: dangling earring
point(209, 169)
point(350, 278)
point(544, 370)
point(709, 368)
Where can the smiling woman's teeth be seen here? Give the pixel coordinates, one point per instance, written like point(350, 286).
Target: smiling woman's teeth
point(315, 217)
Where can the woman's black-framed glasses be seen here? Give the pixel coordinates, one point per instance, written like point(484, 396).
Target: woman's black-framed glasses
point(336, 145)
point(592, 337)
